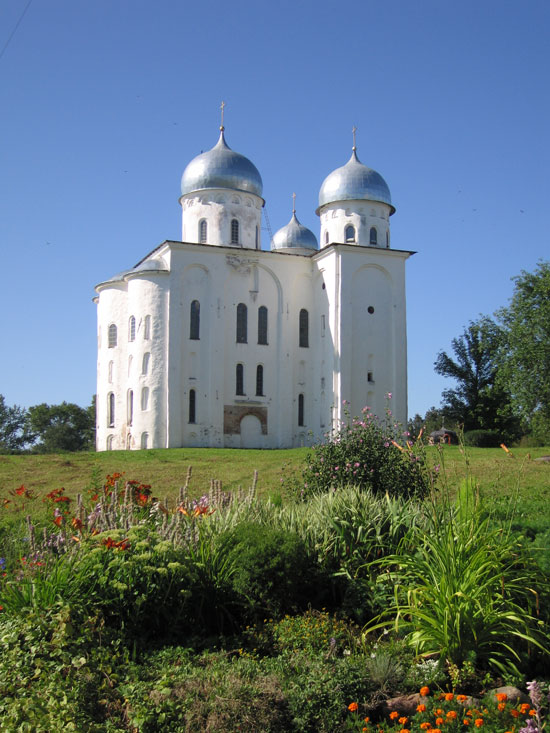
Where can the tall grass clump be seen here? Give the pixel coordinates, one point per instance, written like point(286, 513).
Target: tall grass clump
point(371, 454)
point(468, 591)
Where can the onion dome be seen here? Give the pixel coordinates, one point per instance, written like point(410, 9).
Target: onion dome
point(294, 236)
point(354, 182)
point(221, 167)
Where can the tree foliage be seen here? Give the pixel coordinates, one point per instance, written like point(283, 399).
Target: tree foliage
point(525, 357)
point(479, 400)
point(64, 427)
point(13, 430)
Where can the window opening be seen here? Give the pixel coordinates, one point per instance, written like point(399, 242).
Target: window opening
point(195, 319)
point(234, 231)
point(259, 380)
point(109, 442)
point(147, 327)
point(145, 398)
point(242, 317)
point(373, 236)
point(112, 338)
point(203, 231)
point(262, 325)
point(301, 410)
point(130, 406)
point(239, 379)
point(192, 406)
point(111, 410)
point(350, 234)
point(132, 329)
point(145, 363)
point(144, 441)
point(304, 328)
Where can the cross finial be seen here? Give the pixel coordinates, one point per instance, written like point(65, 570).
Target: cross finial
point(354, 130)
point(222, 106)
point(293, 203)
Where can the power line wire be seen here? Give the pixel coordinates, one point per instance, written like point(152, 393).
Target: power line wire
point(14, 31)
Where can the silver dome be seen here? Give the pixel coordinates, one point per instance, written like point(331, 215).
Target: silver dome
point(150, 265)
point(354, 182)
point(221, 167)
point(294, 236)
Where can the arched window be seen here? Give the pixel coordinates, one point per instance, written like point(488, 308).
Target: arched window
point(373, 239)
point(242, 317)
point(259, 380)
point(192, 406)
point(262, 325)
point(203, 231)
point(350, 234)
point(109, 442)
point(144, 441)
point(130, 407)
point(112, 336)
point(145, 363)
point(111, 410)
point(301, 410)
point(132, 329)
point(147, 327)
point(239, 380)
point(145, 398)
point(234, 231)
point(304, 328)
point(257, 238)
point(195, 320)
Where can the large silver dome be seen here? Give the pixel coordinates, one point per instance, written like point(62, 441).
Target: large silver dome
point(294, 236)
point(221, 167)
point(354, 182)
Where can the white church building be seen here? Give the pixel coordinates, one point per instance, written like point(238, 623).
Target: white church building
point(213, 341)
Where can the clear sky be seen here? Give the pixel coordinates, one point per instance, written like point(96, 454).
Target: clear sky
point(104, 103)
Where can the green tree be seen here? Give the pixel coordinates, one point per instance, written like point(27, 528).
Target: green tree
point(525, 356)
point(13, 431)
point(479, 400)
point(64, 427)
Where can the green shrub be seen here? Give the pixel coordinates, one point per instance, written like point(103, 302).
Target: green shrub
point(482, 438)
point(370, 454)
point(273, 569)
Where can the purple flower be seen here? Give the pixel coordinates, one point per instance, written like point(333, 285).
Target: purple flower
point(386, 445)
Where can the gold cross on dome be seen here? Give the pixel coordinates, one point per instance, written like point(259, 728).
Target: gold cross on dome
point(222, 105)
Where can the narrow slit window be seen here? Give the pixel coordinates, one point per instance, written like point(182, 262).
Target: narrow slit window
point(147, 327)
point(130, 407)
point(112, 337)
point(326, 237)
point(132, 329)
point(242, 317)
point(195, 320)
point(145, 363)
point(145, 398)
point(259, 380)
point(239, 380)
point(262, 325)
point(234, 231)
point(350, 234)
point(144, 441)
point(192, 406)
point(301, 410)
point(203, 231)
point(111, 410)
point(304, 328)
point(373, 239)
point(109, 442)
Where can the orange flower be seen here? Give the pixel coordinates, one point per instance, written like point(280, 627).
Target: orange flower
point(449, 696)
point(367, 719)
point(425, 726)
point(439, 721)
point(466, 721)
point(532, 713)
point(478, 722)
point(439, 711)
point(461, 698)
point(524, 707)
point(353, 707)
point(404, 730)
point(501, 706)
point(514, 713)
point(421, 708)
point(394, 714)
point(451, 715)
point(403, 720)
point(501, 696)
point(424, 691)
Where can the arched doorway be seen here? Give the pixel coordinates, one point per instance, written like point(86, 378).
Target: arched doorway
point(251, 432)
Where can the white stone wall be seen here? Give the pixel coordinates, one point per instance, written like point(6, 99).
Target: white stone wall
point(363, 215)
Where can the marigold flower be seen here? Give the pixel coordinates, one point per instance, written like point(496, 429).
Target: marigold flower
point(501, 696)
point(461, 698)
point(367, 719)
point(478, 722)
point(532, 713)
point(403, 720)
point(451, 714)
point(404, 730)
point(353, 707)
point(394, 714)
point(424, 691)
point(524, 707)
point(439, 721)
point(425, 726)
point(501, 706)
point(421, 708)
point(449, 696)
point(514, 713)
point(439, 711)
point(466, 721)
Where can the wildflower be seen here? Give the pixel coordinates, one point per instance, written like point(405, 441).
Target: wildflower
point(461, 698)
point(394, 714)
point(501, 706)
point(421, 708)
point(449, 696)
point(424, 691)
point(353, 707)
point(478, 722)
point(451, 715)
point(425, 726)
point(403, 720)
point(439, 721)
point(501, 696)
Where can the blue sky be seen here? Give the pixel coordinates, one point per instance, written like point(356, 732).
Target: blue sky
point(105, 102)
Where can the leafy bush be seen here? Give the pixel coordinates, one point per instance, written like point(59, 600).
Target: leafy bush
point(273, 569)
point(482, 438)
point(367, 453)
